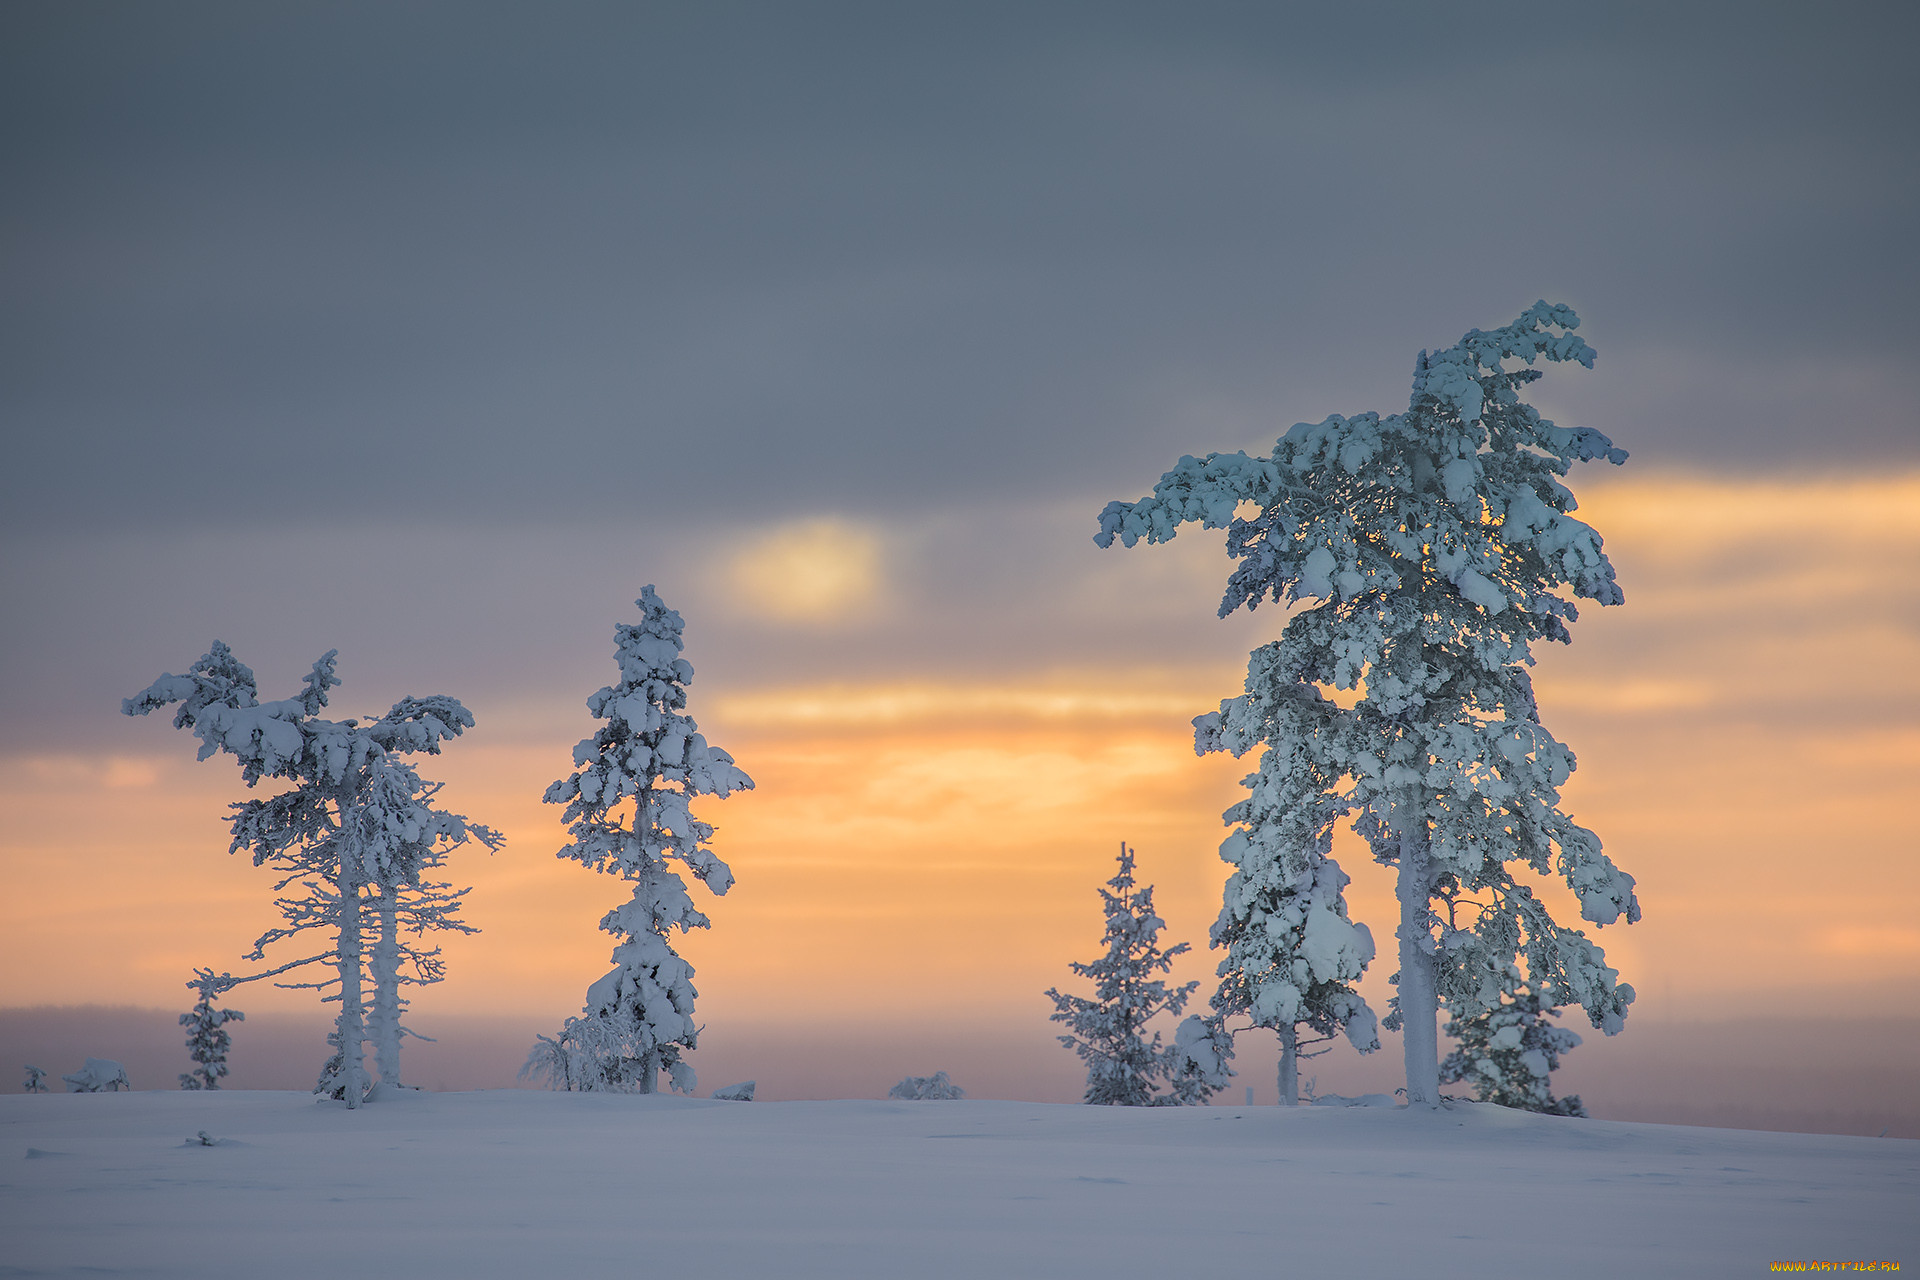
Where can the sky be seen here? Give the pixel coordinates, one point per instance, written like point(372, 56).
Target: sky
point(432, 332)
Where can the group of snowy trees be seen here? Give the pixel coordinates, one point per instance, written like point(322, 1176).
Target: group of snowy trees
point(1426, 552)
point(356, 837)
point(1423, 553)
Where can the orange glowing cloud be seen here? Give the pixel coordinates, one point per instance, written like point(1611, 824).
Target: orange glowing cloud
point(924, 845)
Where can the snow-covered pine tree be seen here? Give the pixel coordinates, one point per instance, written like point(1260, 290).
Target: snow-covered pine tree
point(1439, 545)
point(1124, 1067)
point(36, 1081)
point(1292, 952)
point(1509, 1053)
point(309, 832)
point(207, 1037)
point(639, 1018)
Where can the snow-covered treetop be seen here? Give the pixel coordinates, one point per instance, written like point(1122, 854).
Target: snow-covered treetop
point(1474, 463)
point(218, 700)
point(650, 752)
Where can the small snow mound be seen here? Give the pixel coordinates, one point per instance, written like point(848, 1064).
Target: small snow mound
point(100, 1075)
point(1364, 1100)
point(934, 1088)
point(742, 1092)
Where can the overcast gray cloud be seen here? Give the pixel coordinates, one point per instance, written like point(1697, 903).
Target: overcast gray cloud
point(507, 263)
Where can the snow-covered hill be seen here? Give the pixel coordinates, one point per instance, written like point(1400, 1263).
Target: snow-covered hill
point(519, 1183)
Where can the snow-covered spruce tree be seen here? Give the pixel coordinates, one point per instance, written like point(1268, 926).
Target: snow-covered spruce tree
point(1509, 1054)
point(1292, 952)
point(36, 1081)
point(312, 832)
point(1124, 1067)
point(1435, 546)
point(207, 1037)
point(639, 1018)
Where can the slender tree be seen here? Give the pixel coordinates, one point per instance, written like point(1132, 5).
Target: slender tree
point(1293, 955)
point(628, 812)
point(322, 831)
point(207, 1037)
point(1126, 1066)
point(36, 1081)
point(1430, 549)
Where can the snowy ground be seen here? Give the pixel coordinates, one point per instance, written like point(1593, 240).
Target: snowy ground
point(518, 1183)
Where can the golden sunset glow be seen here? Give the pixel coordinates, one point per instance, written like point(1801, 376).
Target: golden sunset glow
point(813, 571)
point(931, 845)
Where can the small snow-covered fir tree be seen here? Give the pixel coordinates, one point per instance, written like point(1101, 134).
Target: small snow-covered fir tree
point(1429, 550)
point(1125, 1066)
point(1292, 953)
point(207, 1037)
point(36, 1081)
point(628, 812)
point(1509, 1054)
point(323, 832)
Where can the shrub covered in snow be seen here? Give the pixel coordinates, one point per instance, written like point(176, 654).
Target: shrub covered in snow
point(934, 1088)
point(99, 1075)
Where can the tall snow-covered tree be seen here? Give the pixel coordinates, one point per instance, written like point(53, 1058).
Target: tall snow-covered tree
point(1293, 954)
point(1510, 1052)
point(627, 806)
point(207, 1036)
point(1126, 1066)
point(327, 831)
point(1429, 549)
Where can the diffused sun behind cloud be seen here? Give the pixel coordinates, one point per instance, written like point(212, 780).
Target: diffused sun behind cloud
point(813, 572)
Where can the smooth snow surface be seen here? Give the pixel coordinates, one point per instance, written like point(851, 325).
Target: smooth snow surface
point(521, 1183)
